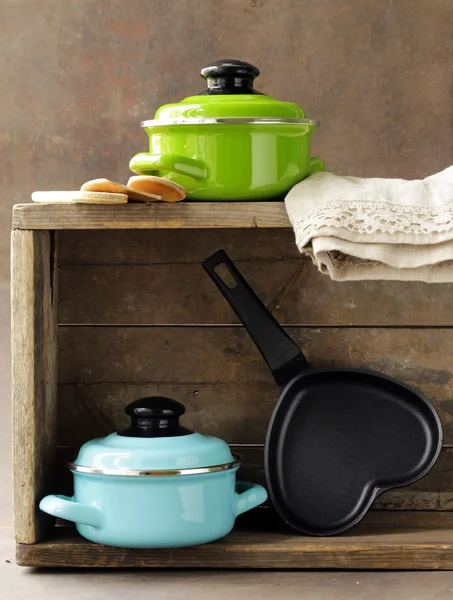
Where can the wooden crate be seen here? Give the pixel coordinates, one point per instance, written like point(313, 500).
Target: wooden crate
point(111, 303)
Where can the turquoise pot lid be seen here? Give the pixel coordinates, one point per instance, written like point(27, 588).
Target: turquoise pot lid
point(155, 441)
point(229, 94)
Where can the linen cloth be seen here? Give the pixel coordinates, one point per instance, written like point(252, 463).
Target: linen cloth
point(360, 229)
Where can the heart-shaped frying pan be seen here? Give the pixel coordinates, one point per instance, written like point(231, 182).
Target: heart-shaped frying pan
point(338, 437)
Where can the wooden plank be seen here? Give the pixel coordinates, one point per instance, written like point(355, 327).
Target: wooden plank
point(194, 357)
point(183, 294)
point(166, 294)
point(129, 247)
point(382, 541)
point(33, 304)
point(89, 355)
point(133, 277)
point(151, 216)
point(237, 413)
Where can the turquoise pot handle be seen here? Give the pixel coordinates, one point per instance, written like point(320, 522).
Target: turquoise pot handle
point(64, 507)
point(248, 496)
point(316, 165)
point(145, 163)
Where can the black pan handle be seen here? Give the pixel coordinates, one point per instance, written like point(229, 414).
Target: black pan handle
point(282, 355)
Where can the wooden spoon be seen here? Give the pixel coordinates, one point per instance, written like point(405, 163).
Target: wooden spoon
point(166, 189)
point(106, 185)
point(78, 197)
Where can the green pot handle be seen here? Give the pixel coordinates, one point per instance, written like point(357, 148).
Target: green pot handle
point(316, 165)
point(144, 163)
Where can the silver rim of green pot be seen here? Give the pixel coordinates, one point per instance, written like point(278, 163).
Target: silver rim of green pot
point(157, 473)
point(229, 121)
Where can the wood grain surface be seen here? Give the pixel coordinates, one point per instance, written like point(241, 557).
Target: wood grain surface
point(201, 358)
point(138, 277)
point(415, 541)
point(168, 247)
point(92, 355)
point(182, 215)
point(34, 379)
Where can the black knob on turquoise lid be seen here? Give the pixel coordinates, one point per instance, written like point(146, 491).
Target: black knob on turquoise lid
point(155, 416)
point(229, 76)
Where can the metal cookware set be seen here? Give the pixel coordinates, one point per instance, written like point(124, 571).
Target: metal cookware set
point(337, 438)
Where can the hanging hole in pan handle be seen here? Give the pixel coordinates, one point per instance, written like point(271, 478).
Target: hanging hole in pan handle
point(222, 271)
point(225, 275)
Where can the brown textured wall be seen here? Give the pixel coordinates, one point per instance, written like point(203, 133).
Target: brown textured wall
point(78, 77)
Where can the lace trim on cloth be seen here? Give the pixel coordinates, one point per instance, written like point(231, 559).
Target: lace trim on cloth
point(369, 217)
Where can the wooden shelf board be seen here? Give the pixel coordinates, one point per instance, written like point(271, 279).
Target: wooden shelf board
point(183, 215)
point(384, 540)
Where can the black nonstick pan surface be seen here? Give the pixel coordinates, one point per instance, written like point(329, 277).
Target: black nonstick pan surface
point(338, 437)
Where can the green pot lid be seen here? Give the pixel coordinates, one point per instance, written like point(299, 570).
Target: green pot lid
point(229, 94)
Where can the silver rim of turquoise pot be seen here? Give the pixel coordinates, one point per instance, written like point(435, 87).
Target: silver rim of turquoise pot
point(157, 473)
point(229, 121)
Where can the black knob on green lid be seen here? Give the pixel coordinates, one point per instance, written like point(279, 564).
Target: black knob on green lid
point(229, 76)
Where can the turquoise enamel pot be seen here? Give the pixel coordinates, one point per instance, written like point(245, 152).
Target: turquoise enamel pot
point(230, 142)
point(155, 484)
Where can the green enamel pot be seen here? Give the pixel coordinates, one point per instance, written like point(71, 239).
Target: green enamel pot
point(230, 142)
